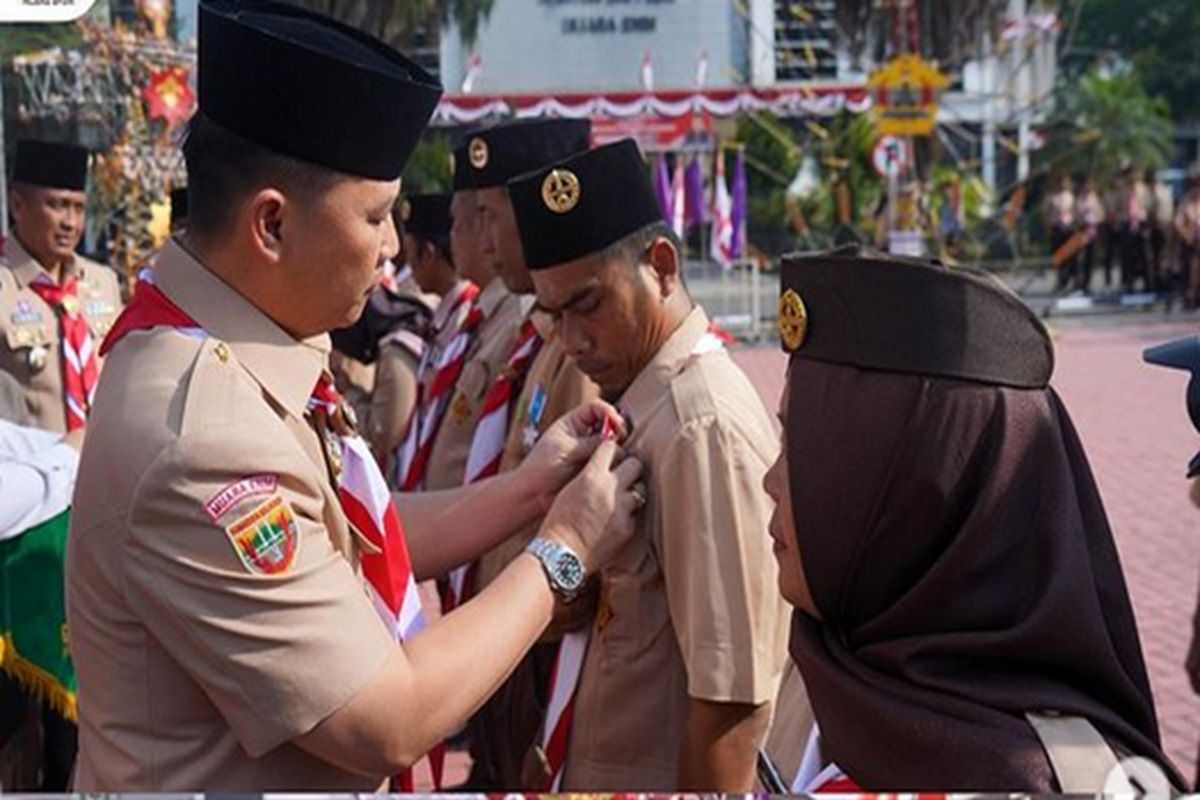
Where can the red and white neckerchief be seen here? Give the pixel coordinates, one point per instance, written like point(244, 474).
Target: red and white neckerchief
point(413, 456)
point(81, 370)
point(362, 491)
point(568, 666)
point(487, 444)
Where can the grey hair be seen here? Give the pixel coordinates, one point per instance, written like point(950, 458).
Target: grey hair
point(633, 247)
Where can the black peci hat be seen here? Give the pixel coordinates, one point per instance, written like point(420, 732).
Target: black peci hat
point(583, 204)
point(878, 312)
point(309, 87)
point(493, 156)
point(426, 215)
point(51, 164)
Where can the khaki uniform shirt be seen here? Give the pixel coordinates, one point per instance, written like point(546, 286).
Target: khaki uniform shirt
point(553, 387)
point(30, 331)
point(503, 312)
point(392, 402)
point(199, 661)
point(690, 608)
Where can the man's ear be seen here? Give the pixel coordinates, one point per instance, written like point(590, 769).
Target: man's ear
point(16, 202)
point(266, 222)
point(663, 259)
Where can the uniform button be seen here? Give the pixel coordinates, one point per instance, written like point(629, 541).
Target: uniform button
point(222, 351)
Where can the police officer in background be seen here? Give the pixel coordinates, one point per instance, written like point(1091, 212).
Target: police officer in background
point(55, 305)
point(237, 578)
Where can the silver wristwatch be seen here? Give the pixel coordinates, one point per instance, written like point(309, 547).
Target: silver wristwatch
point(563, 568)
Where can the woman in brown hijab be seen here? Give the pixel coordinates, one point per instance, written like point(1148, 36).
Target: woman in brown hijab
point(942, 539)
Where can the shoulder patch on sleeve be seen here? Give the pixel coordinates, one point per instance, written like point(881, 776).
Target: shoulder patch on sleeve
point(266, 537)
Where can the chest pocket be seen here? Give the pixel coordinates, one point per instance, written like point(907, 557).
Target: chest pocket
point(99, 310)
point(28, 322)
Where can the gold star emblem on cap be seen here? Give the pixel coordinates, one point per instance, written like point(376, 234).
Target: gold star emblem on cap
point(405, 210)
point(793, 320)
point(477, 151)
point(560, 191)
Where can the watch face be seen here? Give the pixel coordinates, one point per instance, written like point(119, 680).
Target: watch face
point(568, 571)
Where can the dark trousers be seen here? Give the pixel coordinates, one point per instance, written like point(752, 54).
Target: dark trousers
point(1158, 277)
point(1112, 242)
point(1133, 257)
point(37, 746)
point(504, 731)
point(1087, 262)
point(1067, 271)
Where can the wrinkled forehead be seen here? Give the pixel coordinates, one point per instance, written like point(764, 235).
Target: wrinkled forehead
point(47, 193)
point(559, 285)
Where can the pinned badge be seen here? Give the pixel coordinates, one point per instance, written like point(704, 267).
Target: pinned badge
point(561, 190)
point(38, 357)
point(477, 152)
point(793, 321)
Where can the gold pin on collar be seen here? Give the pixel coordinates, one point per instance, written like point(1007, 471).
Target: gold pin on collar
point(793, 320)
point(477, 151)
point(561, 190)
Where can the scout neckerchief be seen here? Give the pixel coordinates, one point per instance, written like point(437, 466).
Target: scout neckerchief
point(568, 666)
point(81, 370)
point(487, 444)
point(431, 407)
point(362, 491)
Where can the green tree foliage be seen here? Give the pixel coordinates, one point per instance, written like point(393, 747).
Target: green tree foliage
point(1106, 122)
point(1160, 38)
point(429, 168)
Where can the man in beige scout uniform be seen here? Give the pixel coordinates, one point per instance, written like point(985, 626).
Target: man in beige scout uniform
point(55, 306)
point(684, 657)
point(499, 313)
point(535, 385)
point(237, 580)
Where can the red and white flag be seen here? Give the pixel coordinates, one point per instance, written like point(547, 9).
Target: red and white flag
point(647, 72)
point(679, 200)
point(722, 207)
point(473, 73)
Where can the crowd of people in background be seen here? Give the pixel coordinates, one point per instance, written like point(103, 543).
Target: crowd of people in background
point(1142, 237)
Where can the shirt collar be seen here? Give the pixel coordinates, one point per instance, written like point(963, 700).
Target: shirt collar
point(286, 368)
point(653, 382)
point(28, 269)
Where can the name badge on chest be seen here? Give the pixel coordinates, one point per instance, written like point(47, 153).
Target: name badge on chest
point(25, 314)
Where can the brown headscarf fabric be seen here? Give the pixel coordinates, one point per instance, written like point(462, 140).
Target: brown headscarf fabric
point(958, 551)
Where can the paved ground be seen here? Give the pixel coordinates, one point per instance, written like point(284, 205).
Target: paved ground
point(1133, 425)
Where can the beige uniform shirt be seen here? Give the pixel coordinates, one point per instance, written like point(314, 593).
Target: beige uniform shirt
point(553, 387)
point(31, 336)
point(503, 312)
point(199, 657)
point(690, 608)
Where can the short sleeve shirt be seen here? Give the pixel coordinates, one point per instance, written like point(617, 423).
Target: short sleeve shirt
point(690, 608)
point(214, 600)
point(30, 334)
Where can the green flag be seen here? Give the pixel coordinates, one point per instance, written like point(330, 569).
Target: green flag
point(34, 647)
